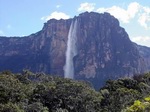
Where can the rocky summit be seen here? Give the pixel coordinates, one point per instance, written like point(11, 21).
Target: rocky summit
point(104, 50)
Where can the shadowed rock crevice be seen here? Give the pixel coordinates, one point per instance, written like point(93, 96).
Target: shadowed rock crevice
point(104, 50)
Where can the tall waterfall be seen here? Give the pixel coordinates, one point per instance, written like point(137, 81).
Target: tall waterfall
point(71, 50)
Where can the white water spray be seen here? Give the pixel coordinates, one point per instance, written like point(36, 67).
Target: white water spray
point(71, 50)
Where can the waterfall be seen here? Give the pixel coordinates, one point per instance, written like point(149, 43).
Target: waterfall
point(71, 50)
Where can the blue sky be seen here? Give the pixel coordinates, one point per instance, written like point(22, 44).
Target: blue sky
point(24, 17)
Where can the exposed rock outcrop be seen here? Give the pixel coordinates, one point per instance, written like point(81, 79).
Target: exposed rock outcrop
point(104, 50)
point(145, 53)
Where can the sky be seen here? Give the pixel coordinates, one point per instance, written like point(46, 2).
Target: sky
point(24, 17)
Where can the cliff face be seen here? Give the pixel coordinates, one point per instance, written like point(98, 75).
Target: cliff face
point(145, 53)
point(104, 49)
point(43, 51)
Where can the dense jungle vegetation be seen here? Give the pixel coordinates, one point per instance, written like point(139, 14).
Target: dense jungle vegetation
point(30, 92)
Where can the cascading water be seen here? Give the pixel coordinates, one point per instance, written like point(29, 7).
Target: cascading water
point(71, 50)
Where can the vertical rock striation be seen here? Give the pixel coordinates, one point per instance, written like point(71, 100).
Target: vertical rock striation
point(104, 50)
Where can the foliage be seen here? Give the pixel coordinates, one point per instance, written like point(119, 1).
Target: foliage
point(10, 107)
point(29, 92)
point(139, 106)
point(122, 93)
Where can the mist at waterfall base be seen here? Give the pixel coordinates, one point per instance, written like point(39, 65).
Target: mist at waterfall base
point(71, 50)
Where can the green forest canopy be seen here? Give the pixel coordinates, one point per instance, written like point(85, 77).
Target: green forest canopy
point(30, 92)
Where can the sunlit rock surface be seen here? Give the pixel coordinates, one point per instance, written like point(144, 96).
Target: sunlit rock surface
point(103, 46)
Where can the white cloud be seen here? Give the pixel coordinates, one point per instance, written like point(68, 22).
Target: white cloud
point(124, 15)
point(58, 6)
point(136, 12)
point(142, 40)
point(56, 15)
point(116, 11)
point(133, 10)
point(144, 18)
point(9, 26)
point(1, 33)
point(86, 7)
